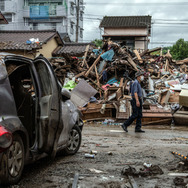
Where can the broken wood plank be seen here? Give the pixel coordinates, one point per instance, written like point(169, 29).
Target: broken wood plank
point(85, 55)
point(157, 122)
point(118, 94)
point(97, 76)
point(80, 74)
point(121, 82)
point(166, 65)
point(92, 66)
point(98, 82)
point(129, 59)
point(153, 50)
point(138, 56)
point(132, 182)
point(144, 52)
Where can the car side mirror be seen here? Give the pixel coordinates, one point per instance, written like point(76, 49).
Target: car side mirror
point(65, 94)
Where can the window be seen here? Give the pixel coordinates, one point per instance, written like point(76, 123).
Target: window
point(72, 28)
point(81, 33)
point(8, 17)
point(35, 26)
point(2, 5)
point(50, 25)
point(52, 8)
point(81, 16)
point(25, 22)
point(72, 9)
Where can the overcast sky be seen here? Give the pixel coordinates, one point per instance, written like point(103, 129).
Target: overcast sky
point(169, 18)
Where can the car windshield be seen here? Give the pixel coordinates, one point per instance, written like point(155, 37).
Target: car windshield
point(3, 72)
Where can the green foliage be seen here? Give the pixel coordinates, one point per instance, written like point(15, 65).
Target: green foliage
point(179, 50)
point(98, 42)
point(165, 49)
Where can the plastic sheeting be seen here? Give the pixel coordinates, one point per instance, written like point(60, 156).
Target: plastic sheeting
point(107, 56)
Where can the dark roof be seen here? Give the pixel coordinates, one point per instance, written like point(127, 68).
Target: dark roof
point(73, 49)
point(65, 37)
point(3, 19)
point(125, 21)
point(16, 40)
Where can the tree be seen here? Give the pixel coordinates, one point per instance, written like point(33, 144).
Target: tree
point(179, 50)
point(98, 42)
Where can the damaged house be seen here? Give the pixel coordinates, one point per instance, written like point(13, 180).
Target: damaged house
point(30, 43)
point(131, 31)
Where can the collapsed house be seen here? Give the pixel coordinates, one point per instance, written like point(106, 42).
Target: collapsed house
point(100, 80)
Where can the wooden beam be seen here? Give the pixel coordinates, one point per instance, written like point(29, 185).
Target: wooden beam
point(92, 66)
point(138, 56)
point(98, 82)
point(121, 82)
point(118, 94)
point(85, 55)
point(132, 63)
point(81, 74)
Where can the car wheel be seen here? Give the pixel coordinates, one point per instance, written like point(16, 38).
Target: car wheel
point(13, 162)
point(75, 138)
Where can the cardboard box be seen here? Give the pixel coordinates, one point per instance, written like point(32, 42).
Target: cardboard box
point(183, 98)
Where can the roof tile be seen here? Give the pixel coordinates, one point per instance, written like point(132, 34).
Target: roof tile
point(125, 21)
point(16, 40)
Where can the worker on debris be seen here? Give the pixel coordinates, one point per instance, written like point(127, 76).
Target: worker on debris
point(136, 103)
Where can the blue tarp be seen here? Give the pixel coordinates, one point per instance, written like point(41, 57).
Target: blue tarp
point(39, 12)
point(97, 51)
point(112, 81)
point(107, 56)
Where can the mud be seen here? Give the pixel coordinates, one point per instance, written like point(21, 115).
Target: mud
point(116, 150)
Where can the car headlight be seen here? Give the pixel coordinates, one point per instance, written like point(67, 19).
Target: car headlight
point(5, 138)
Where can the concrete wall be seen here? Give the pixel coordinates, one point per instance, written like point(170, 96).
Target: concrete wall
point(21, 14)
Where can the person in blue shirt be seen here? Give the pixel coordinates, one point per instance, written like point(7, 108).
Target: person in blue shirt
point(136, 103)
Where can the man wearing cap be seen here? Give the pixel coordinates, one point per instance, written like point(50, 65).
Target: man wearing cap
point(136, 103)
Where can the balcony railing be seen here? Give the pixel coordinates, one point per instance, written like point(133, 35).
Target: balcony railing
point(60, 11)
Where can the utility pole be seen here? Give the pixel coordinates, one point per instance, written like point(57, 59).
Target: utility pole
point(77, 18)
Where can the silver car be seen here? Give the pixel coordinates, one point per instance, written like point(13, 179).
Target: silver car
point(37, 118)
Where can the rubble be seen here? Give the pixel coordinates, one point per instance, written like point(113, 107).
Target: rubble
point(111, 70)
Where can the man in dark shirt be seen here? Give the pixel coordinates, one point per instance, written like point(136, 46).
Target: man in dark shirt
point(136, 103)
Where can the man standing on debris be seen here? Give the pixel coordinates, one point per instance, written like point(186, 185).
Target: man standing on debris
point(136, 103)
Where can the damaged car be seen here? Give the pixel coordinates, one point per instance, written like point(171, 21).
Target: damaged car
point(37, 117)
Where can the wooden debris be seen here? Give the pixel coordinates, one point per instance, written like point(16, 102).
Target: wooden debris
point(85, 55)
point(92, 66)
point(138, 56)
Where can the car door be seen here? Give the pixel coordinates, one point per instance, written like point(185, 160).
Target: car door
point(49, 120)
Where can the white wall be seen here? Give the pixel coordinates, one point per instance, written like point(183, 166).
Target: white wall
point(125, 31)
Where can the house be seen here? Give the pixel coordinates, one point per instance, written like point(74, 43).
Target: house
point(73, 49)
point(131, 31)
point(3, 19)
point(30, 43)
point(60, 15)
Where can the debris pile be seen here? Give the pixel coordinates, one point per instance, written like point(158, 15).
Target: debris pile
point(110, 72)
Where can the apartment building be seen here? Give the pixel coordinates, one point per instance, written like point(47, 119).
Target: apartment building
point(44, 15)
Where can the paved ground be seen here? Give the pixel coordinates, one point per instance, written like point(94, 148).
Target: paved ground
point(117, 152)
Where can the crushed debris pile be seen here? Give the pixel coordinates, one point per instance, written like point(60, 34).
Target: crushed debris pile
point(110, 72)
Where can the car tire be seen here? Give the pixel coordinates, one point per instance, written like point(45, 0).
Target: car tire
point(75, 138)
point(13, 162)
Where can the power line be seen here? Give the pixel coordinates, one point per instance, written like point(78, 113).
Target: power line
point(141, 4)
